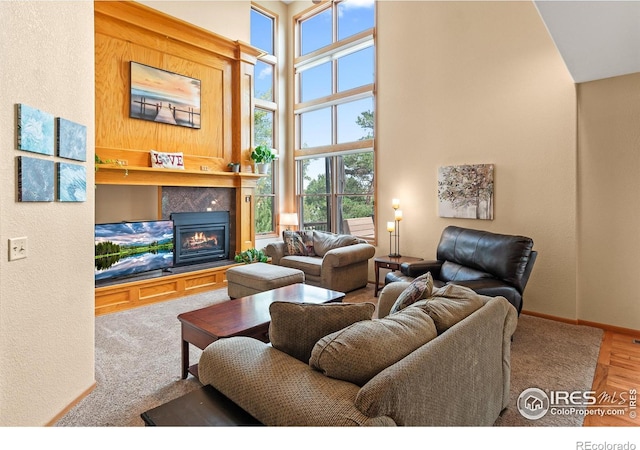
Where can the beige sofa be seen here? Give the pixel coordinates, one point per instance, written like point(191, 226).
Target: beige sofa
point(328, 260)
point(460, 377)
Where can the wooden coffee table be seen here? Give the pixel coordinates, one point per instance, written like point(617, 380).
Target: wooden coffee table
point(245, 316)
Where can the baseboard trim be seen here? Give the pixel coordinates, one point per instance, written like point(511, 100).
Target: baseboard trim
point(69, 407)
point(550, 317)
point(603, 326)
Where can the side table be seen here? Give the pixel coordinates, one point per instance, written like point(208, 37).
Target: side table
point(391, 263)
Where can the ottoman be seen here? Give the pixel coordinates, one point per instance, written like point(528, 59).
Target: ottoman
point(254, 278)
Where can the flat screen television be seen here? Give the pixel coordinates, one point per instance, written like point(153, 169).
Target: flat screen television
point(125, 249)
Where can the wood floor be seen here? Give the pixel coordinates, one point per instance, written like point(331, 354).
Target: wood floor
point(618, 376)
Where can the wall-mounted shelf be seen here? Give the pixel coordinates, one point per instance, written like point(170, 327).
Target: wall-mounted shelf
point(130, 175)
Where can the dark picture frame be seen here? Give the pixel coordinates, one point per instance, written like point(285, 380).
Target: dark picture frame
point(160, 96)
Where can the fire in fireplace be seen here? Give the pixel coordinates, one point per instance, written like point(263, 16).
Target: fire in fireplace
point(200, 237)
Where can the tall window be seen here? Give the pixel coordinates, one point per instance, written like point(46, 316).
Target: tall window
point(263, 36)
point(334, 113)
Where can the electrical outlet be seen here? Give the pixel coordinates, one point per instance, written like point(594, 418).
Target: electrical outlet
point(17, 248)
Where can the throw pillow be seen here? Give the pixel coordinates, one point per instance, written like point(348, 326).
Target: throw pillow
point(167, 160)
point(419, 288)
point(360, 351)
point(296, 327)
point(298, 243)
point(449, 305)
point(324, 241)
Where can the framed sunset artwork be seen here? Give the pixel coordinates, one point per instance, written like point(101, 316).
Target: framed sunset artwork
point(164, 97)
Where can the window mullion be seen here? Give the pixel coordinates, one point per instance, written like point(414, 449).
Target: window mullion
point(334, 108)
point(334, 17)
point(265, 104)
point(334, 51)
point(335, 99)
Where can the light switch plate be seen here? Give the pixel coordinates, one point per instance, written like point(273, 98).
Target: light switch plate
point(17, 248)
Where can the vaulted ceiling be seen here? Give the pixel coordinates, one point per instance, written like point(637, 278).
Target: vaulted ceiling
point(597, 39)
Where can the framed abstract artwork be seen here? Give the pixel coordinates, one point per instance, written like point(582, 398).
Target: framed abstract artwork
point(72, 182)
point(466, 191)
point(72, 140)
point(35, 179)
point(35, 130)
point(164, 97)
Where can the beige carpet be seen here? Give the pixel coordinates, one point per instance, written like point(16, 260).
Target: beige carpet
point(550, 355)
point(138, 362)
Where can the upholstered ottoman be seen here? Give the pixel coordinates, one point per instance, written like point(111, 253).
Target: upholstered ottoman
point(254, 278)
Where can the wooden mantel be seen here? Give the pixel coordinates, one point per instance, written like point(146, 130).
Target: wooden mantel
point(136, 176)
point(127, 31)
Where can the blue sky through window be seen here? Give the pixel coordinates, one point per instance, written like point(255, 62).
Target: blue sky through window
point(354, 16)
point(354, 70)
point(263, 81)
point(262, 31)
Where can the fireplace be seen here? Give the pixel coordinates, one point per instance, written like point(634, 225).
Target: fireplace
point(200, 237)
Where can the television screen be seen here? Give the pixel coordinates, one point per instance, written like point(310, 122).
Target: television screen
point(128, 248)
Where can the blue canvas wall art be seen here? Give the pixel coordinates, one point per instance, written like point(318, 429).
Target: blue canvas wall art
point(72, 140)
point(72, 183)
point(35, 179)
point(35, 130)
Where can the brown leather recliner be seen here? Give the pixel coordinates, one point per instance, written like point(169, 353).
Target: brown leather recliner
point(489, 263)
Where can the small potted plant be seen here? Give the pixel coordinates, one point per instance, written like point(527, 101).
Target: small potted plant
point(117, 162)
point(234, 166)
point(251, 255)
point(263, 156)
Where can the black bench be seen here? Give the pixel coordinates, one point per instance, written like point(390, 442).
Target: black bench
point(204, 407)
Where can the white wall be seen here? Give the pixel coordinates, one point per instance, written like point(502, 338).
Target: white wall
point(229, 18)
point(479, 82)
point(117, 203)
point(608, 212)
point(47, 299)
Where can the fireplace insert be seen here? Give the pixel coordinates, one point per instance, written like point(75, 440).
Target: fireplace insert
point(200, 237)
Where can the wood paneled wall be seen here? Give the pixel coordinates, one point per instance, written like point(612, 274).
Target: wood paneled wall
point(128, 31)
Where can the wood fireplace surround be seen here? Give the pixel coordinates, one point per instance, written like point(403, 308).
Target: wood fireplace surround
point(128, 31)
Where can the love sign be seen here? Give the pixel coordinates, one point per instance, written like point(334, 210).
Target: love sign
point(167, 160)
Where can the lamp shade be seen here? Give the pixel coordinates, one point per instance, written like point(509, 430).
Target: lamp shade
point(289, 219)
